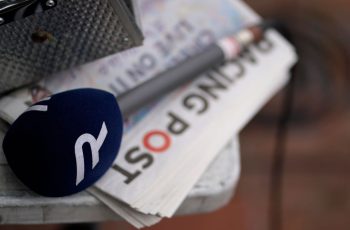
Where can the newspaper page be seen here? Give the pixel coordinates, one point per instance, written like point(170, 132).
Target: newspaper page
point(192, 125)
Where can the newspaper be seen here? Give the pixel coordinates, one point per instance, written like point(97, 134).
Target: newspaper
point(221, 103)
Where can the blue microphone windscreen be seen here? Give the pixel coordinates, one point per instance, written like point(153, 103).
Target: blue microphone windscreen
point(65, 143)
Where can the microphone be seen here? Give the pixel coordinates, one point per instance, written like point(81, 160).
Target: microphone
point(65, 143)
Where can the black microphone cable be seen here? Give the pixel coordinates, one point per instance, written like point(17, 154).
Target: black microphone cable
point(279, 155)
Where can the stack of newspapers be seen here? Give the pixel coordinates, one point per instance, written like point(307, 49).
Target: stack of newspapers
point(168, 145)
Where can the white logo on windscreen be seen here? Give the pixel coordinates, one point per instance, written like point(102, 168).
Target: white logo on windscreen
point(39, 108)
point(95, 145)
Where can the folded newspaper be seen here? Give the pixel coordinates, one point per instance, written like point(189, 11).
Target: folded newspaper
point(168, 146)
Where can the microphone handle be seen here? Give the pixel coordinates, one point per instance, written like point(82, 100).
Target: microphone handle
point(216, 54)
point(163, 83)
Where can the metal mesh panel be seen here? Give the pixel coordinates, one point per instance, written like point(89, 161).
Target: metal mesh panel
point(73, 33)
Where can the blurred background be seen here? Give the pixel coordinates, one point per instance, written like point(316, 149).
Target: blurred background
point(316, 173)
